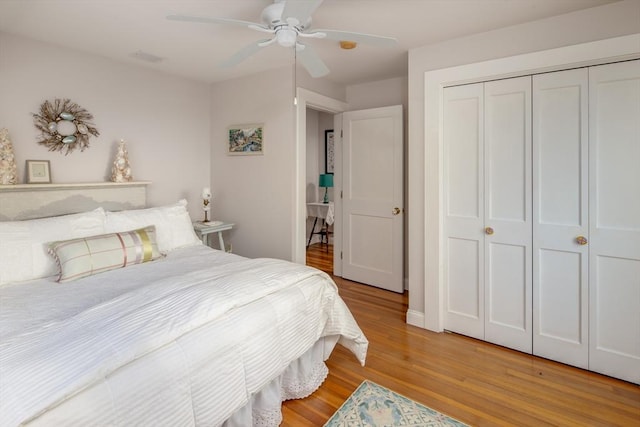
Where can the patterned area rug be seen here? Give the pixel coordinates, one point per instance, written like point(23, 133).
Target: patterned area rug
point(372, 405)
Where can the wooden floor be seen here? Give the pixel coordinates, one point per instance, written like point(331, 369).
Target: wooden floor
point(477, 383)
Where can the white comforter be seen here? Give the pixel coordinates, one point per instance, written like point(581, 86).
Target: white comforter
point(209, 331)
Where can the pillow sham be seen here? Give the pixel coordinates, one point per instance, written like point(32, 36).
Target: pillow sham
point(23, 244)
point(173, 224)
point(86, 256)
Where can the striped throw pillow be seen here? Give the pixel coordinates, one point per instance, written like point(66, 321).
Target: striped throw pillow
point(83, 257)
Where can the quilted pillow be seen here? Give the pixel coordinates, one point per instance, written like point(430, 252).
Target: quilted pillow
point(173, 224)
point(83, 257)
point(23, 244)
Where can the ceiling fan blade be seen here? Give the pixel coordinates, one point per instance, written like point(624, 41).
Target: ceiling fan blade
point(311, 61)
point(300, 10)
point(244, 53)
point(358, 37)
point(201, 20)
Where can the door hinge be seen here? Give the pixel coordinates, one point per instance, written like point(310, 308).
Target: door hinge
point(341, 135)
point(340, 254)
point(341, 194)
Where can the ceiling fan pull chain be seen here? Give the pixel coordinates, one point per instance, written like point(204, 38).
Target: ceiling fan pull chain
point(295, 74)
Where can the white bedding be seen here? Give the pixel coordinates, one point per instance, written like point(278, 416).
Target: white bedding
point(185, 340)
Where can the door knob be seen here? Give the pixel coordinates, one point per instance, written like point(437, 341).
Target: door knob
point(581, 240)
point(396, 211)
point(488, 231)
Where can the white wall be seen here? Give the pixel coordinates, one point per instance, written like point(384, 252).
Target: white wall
point(382, 93)
point(325, 123)
point(255, 192)
point(175, 130)
point(598, 23)
point(164, 119)
point(314, 153)
point(323, 86)
point(317, 123)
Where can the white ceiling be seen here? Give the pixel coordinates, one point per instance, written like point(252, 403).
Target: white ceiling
point(117, 28)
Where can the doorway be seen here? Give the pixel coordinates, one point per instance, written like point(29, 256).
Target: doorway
point(368, 207)
point(308, 100)
point(320, 196)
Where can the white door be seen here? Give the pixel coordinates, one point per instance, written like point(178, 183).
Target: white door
point(372, 202)
point(487, 199)
point(560, 213)
point(464, 209)
point(507, 206)
point(614, 210)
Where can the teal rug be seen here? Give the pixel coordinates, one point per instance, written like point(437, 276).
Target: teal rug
point(372, 405)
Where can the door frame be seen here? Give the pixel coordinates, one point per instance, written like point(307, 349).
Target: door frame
point(580, 55)
point(308, 99)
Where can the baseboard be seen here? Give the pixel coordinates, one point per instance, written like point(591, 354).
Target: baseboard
point(415, 318)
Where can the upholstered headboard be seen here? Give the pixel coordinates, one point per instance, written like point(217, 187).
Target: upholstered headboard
point(29, 201)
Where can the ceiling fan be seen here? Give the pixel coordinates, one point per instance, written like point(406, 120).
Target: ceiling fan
point(288, 21)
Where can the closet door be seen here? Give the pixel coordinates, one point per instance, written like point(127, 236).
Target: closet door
point(487, 199)
point(614, 209)
point(560, 214)
point(463, 135)
point(507, 207)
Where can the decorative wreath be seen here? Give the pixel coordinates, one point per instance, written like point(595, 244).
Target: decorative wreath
point(64, 126)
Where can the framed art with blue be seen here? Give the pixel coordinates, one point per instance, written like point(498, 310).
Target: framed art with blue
point(245, 140)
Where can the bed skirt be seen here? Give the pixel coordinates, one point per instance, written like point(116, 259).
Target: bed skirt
point(301, 378)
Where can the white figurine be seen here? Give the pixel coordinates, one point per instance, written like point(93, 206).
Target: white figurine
point(8, 168)
point(121, 170)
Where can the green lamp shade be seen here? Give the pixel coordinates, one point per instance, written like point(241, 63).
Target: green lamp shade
point(326, 180)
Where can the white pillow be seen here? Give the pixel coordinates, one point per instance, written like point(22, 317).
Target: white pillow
point(23, 244)
point(173, 224)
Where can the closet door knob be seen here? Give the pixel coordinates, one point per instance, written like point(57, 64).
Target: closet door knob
point(488, 231)
point(395, 211)
point(581, 240)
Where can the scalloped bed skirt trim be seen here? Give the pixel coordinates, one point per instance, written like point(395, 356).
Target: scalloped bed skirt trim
point(300, 379)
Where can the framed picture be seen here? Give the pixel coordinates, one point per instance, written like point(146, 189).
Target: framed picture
point(38, 172)
point(245, 140)
point(329, 151)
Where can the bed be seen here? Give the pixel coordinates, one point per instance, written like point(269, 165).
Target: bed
point(182, 335)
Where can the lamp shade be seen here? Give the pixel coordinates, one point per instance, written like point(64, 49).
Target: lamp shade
point(206, 193)
point(326, 180)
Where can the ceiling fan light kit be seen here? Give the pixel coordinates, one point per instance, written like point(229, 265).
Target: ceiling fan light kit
point(287, 20)
point(286, 37)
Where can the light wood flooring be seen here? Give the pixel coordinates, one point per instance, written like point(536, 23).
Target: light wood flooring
point(477, 383)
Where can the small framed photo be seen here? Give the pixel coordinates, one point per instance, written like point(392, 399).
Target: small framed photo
point(38, 172)
point(245, 140)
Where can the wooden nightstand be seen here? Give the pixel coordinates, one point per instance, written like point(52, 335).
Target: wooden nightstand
point(203, 229)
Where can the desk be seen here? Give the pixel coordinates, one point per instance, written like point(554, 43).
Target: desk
point(203, 229)
point(324, 211)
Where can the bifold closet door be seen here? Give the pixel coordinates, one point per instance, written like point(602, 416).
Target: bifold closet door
point(464, 209)
point(614, 244)
point(542, 219)
point(487, 199)
point(507, 206)
point(507, 241)
point(560, 214)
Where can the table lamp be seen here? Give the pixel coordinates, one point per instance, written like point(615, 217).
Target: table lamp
point(206, 199)
point(326, 181)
